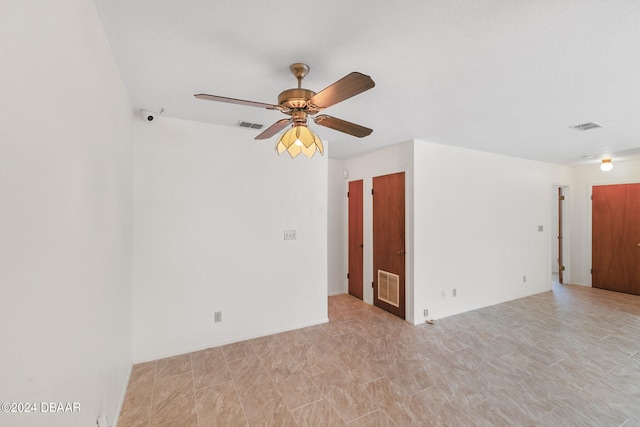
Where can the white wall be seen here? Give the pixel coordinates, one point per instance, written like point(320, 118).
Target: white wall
point(65, 214)
point(211, 205)
point(476, 228)
point(337, 229)
point(624, 172)
point(392, 159)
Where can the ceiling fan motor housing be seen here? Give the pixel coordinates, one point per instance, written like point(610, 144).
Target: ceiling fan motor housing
point(299, 118)
point(297, 99)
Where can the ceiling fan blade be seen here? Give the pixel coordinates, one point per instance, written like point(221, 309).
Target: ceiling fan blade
point(342, 126)
point(348, 86)
point(273, 129)
point(236, 101)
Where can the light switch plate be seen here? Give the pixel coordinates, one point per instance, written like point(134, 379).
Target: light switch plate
point(290, 235)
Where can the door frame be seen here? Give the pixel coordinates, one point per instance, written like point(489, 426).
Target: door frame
point(566, 230)
point(366, 173)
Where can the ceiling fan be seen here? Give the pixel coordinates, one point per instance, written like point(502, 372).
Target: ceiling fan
point(301, 103)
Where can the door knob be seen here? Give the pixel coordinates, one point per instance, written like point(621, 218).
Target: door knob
point(401, 252)
point(361, 245)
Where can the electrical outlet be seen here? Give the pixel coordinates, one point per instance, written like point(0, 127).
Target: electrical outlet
point(426, 312)
point(290, 235)
point(455, 292)
point(217, 317)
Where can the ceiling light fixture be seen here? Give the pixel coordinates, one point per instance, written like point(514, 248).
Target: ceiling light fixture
point(606, 165)
point(299, 139)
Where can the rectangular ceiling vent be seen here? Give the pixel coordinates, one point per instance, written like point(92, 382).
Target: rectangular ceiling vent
point(248, 125)
point(587, 126)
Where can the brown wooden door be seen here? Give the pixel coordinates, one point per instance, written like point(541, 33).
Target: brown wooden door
point(616, 238)
point(560, 261)
point(389, 243)
point(356, 242)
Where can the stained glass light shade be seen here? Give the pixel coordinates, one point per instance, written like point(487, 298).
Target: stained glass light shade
point(299, 139)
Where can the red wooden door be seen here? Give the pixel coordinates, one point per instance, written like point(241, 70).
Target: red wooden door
point(356, 242)
point(616, 238)
point(389, 243)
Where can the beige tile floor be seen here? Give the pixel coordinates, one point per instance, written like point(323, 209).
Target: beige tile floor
point(567, 357)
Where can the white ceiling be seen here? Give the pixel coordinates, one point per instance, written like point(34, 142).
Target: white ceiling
point(504, 76)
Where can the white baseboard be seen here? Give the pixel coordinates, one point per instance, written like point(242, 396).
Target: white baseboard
point(152, 357)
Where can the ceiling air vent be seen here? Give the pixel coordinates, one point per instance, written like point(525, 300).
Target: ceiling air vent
point(587, 126)
point(248, 125)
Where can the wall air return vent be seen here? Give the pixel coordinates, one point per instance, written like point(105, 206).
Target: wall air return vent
point(249, 125)
point(389, 288)
point(587, 126)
